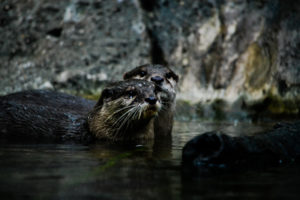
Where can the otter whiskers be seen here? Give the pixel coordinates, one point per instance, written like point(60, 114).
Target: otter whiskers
point(123, 116)
point(123, 122)
point(118, 111)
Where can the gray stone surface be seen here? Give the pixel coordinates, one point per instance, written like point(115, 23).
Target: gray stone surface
point(228, 49)
point(73, 45)
point(237, 51)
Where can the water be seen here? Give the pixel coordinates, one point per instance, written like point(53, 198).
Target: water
point(106, 171)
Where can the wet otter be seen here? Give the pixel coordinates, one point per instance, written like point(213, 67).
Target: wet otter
point(167, 80)
point(124, 112)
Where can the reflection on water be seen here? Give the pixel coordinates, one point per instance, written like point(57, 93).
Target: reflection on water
point(106, 171)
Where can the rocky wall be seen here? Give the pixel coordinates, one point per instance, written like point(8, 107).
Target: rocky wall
point(72, 45)
point(229, 54)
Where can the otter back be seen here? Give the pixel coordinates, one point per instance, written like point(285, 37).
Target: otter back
point(43, 116)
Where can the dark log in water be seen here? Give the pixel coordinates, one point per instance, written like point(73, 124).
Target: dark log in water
point(214, 149)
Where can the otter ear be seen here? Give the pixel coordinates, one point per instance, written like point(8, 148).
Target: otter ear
point(105, 95)
point(126, 76)
point(171, 74)
point(135, 71)
point(176, 77)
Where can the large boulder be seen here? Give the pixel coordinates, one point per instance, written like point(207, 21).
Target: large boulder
point(277, 146)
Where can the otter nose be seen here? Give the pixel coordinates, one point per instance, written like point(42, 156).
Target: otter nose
point(151, 100)
point(157, 79)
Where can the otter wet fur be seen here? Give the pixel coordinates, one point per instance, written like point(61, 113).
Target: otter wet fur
point(126, 111)
point(47, 116)
point(165, 78)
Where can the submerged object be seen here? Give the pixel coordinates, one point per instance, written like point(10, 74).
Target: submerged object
point(214, 149)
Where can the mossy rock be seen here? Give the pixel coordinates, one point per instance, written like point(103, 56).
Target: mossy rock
point(275, 107)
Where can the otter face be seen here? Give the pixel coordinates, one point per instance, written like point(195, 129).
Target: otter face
point(141, 97)
point(125, 108)
point(160, 75)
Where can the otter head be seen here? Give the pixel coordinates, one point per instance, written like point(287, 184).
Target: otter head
point(125, 111)
point(160, 75)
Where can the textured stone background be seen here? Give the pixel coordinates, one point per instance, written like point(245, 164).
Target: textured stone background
point(237, 53)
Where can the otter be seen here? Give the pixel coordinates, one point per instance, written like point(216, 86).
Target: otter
point(124, 113)
point(165, 78)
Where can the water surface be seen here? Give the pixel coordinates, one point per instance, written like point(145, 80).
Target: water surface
point(152, 171)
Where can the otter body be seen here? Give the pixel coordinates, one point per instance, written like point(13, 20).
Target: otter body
point(51, 99)
point(33, 116)
point(55, 117)
point(167, 80)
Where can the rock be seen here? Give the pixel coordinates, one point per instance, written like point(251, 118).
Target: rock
point(218, 150)
point(61, 41)
point(235, 51)
point(229, 50)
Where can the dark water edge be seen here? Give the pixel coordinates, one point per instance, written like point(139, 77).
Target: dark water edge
point(151, 171)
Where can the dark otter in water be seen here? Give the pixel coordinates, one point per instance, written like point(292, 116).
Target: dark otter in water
point(167, 80)
point(124, 112)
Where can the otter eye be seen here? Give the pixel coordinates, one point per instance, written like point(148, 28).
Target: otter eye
point(169, 75)
point(142, 73)
point(131, 93)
